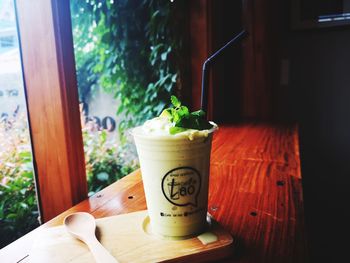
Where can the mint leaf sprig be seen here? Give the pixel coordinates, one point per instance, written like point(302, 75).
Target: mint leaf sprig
point(184, 119)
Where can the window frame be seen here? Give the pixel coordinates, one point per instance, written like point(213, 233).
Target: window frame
point(48, 64)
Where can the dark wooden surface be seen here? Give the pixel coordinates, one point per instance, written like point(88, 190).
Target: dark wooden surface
point(255, 192)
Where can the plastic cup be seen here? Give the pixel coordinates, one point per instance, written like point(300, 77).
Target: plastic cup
point(175, 173)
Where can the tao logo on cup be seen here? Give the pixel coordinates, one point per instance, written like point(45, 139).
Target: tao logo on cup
point(181, 186)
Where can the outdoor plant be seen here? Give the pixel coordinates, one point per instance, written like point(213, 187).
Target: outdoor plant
point(131, 49)
point(19, 214)
point(18, 203)
point(104, 159)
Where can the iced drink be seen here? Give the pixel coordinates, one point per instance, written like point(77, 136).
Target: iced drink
point(175, 173)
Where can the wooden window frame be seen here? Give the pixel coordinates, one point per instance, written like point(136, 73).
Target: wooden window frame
point(46, 44)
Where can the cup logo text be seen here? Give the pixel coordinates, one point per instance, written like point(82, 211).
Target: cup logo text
point(181, 186)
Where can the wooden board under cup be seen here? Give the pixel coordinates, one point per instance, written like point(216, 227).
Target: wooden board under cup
point(125, 238)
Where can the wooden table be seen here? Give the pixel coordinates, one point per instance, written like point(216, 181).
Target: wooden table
point(255, 192)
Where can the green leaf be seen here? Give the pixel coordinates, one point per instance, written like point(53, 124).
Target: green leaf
point(102, 176)
point(183, 111)
point(25, 155)
point(11, 216)
point(23, 205)
point(164, 56)
point(173, 78)
point(175, 116)
point(175, 101)
point(175, 130)
point(199, 113)
point(103, 136)
point(180, 116)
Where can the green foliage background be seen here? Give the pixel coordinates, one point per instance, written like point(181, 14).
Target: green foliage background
point(132, 49)
point(104, 161)
point(18, 204)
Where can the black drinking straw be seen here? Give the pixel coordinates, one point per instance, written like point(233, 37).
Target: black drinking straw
point(206, 68)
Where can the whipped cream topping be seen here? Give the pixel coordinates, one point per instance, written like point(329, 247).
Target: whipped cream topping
point(159, 126)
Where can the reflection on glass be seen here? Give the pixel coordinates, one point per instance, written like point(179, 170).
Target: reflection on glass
point(18, 203)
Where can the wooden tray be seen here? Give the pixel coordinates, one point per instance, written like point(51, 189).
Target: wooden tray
point(128, 239)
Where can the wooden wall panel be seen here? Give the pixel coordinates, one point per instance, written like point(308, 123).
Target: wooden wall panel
point(227, 69)
point(242, 81)
point(52, 99)
point(256, 96)
point(200, 39)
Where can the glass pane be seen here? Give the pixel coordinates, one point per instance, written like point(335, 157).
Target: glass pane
point(18, 203)
point(128, 61)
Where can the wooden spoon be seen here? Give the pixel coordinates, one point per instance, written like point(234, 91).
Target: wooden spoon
point(82, 226)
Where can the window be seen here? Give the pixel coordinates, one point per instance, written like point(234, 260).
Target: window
point(19, 211)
